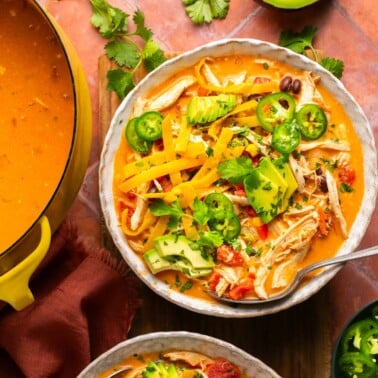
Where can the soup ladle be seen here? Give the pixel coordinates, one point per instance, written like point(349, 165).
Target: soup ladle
point(299, 277)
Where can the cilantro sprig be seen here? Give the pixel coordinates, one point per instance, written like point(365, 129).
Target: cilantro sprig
point(204, 11)
point(302, 41)
point(123, 48)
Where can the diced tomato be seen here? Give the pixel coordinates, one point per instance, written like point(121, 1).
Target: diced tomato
point(214, 280)
point(203, 91)
point(221, 368)
point(131, 195)
point(260, 80)
point(130, 211)
point(165, 183)
point(229, 255)
point(262, 231)
point(239, 291)
point(240, 191)
point(251, 212)
point(347, 175)
point(256, 160)
point(324, 222)
point(159, 144)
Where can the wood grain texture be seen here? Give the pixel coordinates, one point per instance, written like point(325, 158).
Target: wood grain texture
point(295, 342)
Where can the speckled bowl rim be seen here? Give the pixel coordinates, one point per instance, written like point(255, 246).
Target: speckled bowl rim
point(161, 341)
point(360, 314)
point(221, 48)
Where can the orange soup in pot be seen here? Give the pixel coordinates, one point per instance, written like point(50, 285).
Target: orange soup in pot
point(37, 117)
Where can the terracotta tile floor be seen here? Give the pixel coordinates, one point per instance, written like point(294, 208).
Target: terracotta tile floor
point(347, 29)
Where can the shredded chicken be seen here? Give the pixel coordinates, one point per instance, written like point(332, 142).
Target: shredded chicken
point(326, 144)
point(169, 96)
point(335, 203)
point(309, 93)
point(191, 358)
point(296, 239)
point(298, 174)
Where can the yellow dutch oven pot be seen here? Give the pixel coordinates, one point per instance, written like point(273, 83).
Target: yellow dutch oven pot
point(19, 261)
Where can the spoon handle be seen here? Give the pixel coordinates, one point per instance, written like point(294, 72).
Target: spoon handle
point(341, 259)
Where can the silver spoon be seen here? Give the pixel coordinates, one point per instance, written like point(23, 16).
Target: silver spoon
point(299, 277)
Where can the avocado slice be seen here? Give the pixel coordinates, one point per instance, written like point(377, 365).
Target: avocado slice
point(179, 246)
point(204, 109)
point(284, 168)
point(288, 4)
point(157, 263)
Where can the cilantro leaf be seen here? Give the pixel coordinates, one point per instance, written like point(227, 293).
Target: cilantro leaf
point(110, 21)
point(120, 81)
point(335, 66)
point(123, 53)
point(235, 170)
point(200, 212)
point(159, 208)
point(298, 41)
point(204, 11)
point(152, 54)
point(141, 30)
point(210, 239)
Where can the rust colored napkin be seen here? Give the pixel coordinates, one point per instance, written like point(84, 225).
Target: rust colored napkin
point(85, 303)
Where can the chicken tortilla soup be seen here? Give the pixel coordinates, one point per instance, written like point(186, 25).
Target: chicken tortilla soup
point(37, 117)
point(234, 173)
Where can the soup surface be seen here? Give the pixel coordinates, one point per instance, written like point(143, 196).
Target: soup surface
point(177, 364)
point(37, 117)
point(235, 173)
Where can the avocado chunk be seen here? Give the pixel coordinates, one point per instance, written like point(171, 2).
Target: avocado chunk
point(269, 188)
point(204, 109)
point(180, 246)
point(159, 370)
point(263, 195)
point(288, 4)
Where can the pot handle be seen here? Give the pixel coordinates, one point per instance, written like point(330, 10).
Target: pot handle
point(14, 284)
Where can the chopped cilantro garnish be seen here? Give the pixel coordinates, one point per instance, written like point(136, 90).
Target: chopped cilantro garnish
point(204, 11)
point(345, 188)
point(113, 24)
point(235, 170)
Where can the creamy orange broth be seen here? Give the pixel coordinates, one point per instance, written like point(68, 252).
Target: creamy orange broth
point(321, 247)
point(37, 117)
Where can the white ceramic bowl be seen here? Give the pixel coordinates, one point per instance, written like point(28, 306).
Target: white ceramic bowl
point(221, 48)
point(160, 341)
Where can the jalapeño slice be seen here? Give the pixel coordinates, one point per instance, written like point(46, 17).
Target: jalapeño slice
point(227, 224)
point(218, 202)
point(148, 126)
point(312, 121)
point(135, 142)
point(286, 138)
point(275, 109)
point(356, 364)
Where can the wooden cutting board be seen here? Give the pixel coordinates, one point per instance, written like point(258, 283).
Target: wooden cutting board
point(295, 342)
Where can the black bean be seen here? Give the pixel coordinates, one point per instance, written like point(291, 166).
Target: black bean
point(296, 86)
point(285, 83)
point(322, 183)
